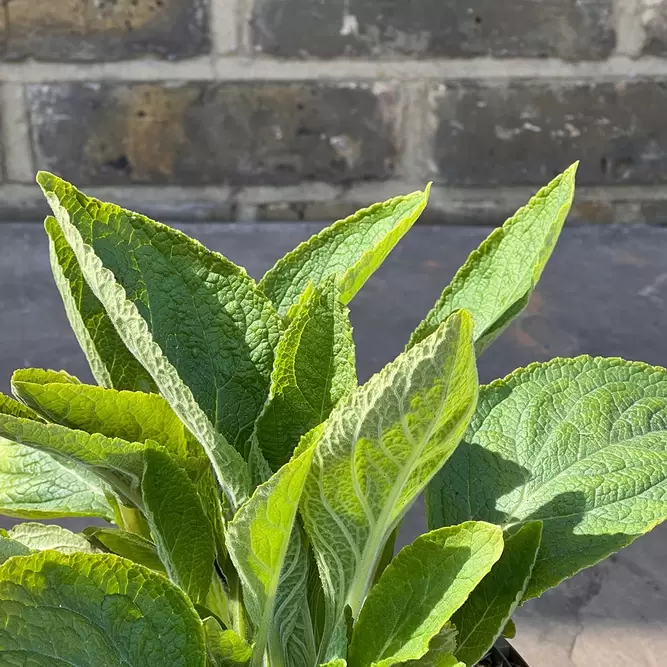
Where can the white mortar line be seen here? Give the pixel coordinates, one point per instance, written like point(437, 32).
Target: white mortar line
point(16, 144)
point(224, 26)
point(236, 68)
point(177, 197)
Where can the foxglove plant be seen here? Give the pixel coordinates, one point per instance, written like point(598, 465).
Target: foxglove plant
point(253, 490)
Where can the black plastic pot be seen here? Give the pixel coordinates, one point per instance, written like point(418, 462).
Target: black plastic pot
point(502, 655)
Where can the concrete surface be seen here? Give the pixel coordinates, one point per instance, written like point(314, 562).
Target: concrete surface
point(603, 293)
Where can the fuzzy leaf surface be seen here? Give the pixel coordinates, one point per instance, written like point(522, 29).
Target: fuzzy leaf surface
point(314, 369)
point(88, 610)
point(350, 249)
point(579, 444)
point(498, 278)
point(111, 363)
point(376, 453)
point(420, 590)
point(480, 621)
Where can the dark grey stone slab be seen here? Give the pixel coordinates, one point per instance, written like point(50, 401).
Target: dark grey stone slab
point(198, 133)
point(451, 28)
point(603, 293)
point(527, 132)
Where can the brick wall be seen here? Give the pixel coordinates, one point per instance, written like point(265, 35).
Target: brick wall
point(307, 109)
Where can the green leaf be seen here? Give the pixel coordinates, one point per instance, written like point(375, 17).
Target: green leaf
point(127, 545)
point(420, 590)
point(10, 547)
point(130, 415)
point(33, 485)
point(378, 450)
point(195, 321)
point(182, 531)
point(90, 610)
point(339, 662)
point(39, 537)
point(480, 621)
point(509, 631)
point(580, 444)
point(258, 539)
point(112, 364)
point(499, 277)
point(225, 647)
point(440, 650)
point(351, 249)
point(118, 462)
point(314, 369)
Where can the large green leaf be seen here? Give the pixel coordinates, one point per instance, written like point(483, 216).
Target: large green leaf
point(420, 590)
point(498, 278)
point(128, 545)
point(351, 249)
point(179, 524)
point(40, 537)
point(481, 620)
point(33, 485)
point(225, 647)
point(10, 547)
point(440, 650)
point(258, 538)
point(580, 444)
point(194, 320)
point(314, 369)
point(91, 610)
point(111, 363)
point(118, 462)
point(130, 415)
point(377, 451)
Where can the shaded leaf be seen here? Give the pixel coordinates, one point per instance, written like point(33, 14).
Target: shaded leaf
point(314, 369)
point(351, 249)
point(10, 547)
point(127, 545)
point(183, 533)
point(498, 278)
point(225, 647)
point(481, 620)
point(128, 615)
point(580, 444)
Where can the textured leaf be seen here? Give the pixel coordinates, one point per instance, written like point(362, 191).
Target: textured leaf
point(225, 647)
point(580, 444)
point(127, 545)
point(39, 537)
point(339, 662)
point(90, 610)
point(33, 485)
point(118, 462)
point(182, 531)
point(420, 590)
point(481, 620)
point(378, 450)
point(440, 650)
point(314, 369)
point(130, 415)
point(351, 249)
point(10, 547)
point(196, 321)
point(112, 364)
point(258, 539)
point(498, 278)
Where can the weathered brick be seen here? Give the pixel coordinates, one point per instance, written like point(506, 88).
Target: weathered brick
point(653, 15)
point(570, 29)
point(90, 30)
point(200, 133)
point(507, 134)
